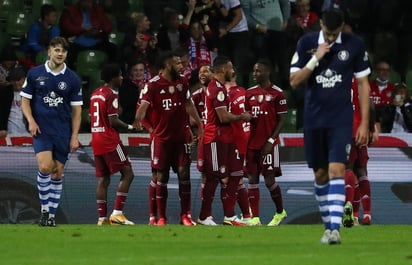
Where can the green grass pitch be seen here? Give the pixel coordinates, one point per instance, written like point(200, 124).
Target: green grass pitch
point(174, 244)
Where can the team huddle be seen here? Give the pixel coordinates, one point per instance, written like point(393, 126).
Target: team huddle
point(236, 131)
point(169, 113)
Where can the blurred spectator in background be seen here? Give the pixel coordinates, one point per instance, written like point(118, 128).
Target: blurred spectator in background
point(129, 92)
point(397, 117)
point(234, 38)
point(16, 123)
point(8, 60)
point(268, 19)
point(305, 18)
point(86, 25)
point(209, 8)
point(381, 87)
point(7, 64)
point(140, 25)
point(41, 32)
point(186, 70)
point(144, 48)
point(169, 37)
point(152, 8)
point(200, 43)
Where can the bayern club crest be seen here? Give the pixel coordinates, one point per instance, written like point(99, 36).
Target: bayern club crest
point(171, 89)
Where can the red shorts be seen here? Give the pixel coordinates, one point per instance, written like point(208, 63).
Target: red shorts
point(220, 160)
point(170, 154)
point(265, 165)
point(200, 160)
point(113, 162)
point(358, 155)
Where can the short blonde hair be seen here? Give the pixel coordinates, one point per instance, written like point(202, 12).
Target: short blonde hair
point(137, 17)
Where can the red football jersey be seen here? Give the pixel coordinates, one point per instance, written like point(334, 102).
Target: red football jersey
point(241, 129)
point(103, 104)
point(264, 105)
point(216, 97)
point(381, 94)
point(198, 98)
point(168, 103)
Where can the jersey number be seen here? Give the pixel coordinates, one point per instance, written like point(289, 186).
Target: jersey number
point(96, 123)
point(268, 159)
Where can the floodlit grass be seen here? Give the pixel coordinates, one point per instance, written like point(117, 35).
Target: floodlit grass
point(174, 244)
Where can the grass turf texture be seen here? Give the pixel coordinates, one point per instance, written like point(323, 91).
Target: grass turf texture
point(175, 244)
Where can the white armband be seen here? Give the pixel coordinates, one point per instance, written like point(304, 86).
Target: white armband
point(271, 140)
point(313, 62)
point(129, 127)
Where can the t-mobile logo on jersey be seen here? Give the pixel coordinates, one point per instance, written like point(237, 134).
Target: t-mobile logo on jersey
point(255, 111)
point(167, 103)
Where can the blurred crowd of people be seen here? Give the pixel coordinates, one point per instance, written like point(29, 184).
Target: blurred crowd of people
point(243, 30)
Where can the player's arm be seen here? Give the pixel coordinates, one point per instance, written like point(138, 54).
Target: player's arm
point(27, 112)
point(274, 138)
point(374, 126)
point(227, 117)
point(362, 133)
point(301, 76)
point(76, 121)
point(118, 124)
point(193, 114)
point(141, 111)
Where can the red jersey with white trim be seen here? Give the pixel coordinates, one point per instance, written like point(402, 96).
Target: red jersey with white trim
point(264, 105)
point(168, 102)
point(103, 104)
point(241, 129)
point(216, 97)
point(198, 98)
point(381, 94)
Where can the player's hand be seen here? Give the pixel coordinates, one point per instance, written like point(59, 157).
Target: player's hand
point(34, 128)
point(362, 135)
point(137, 125)
point(246, 116)
point(74, 144)
point(374, 137)
point(267, 148)
point(322, 50)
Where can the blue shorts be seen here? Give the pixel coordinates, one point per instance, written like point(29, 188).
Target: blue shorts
point(327, 145)
point(59, 146)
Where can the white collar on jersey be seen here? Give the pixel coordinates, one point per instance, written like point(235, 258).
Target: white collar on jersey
point(321, 38)
point(54, 73)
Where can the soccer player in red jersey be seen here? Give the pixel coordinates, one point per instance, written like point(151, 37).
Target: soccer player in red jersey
point(219, 150)
point(241, 132)
point(267, 103)
point(198, 98)
point(167, 94)
point(357, 185)
point(148, 125)
point(110, 155)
